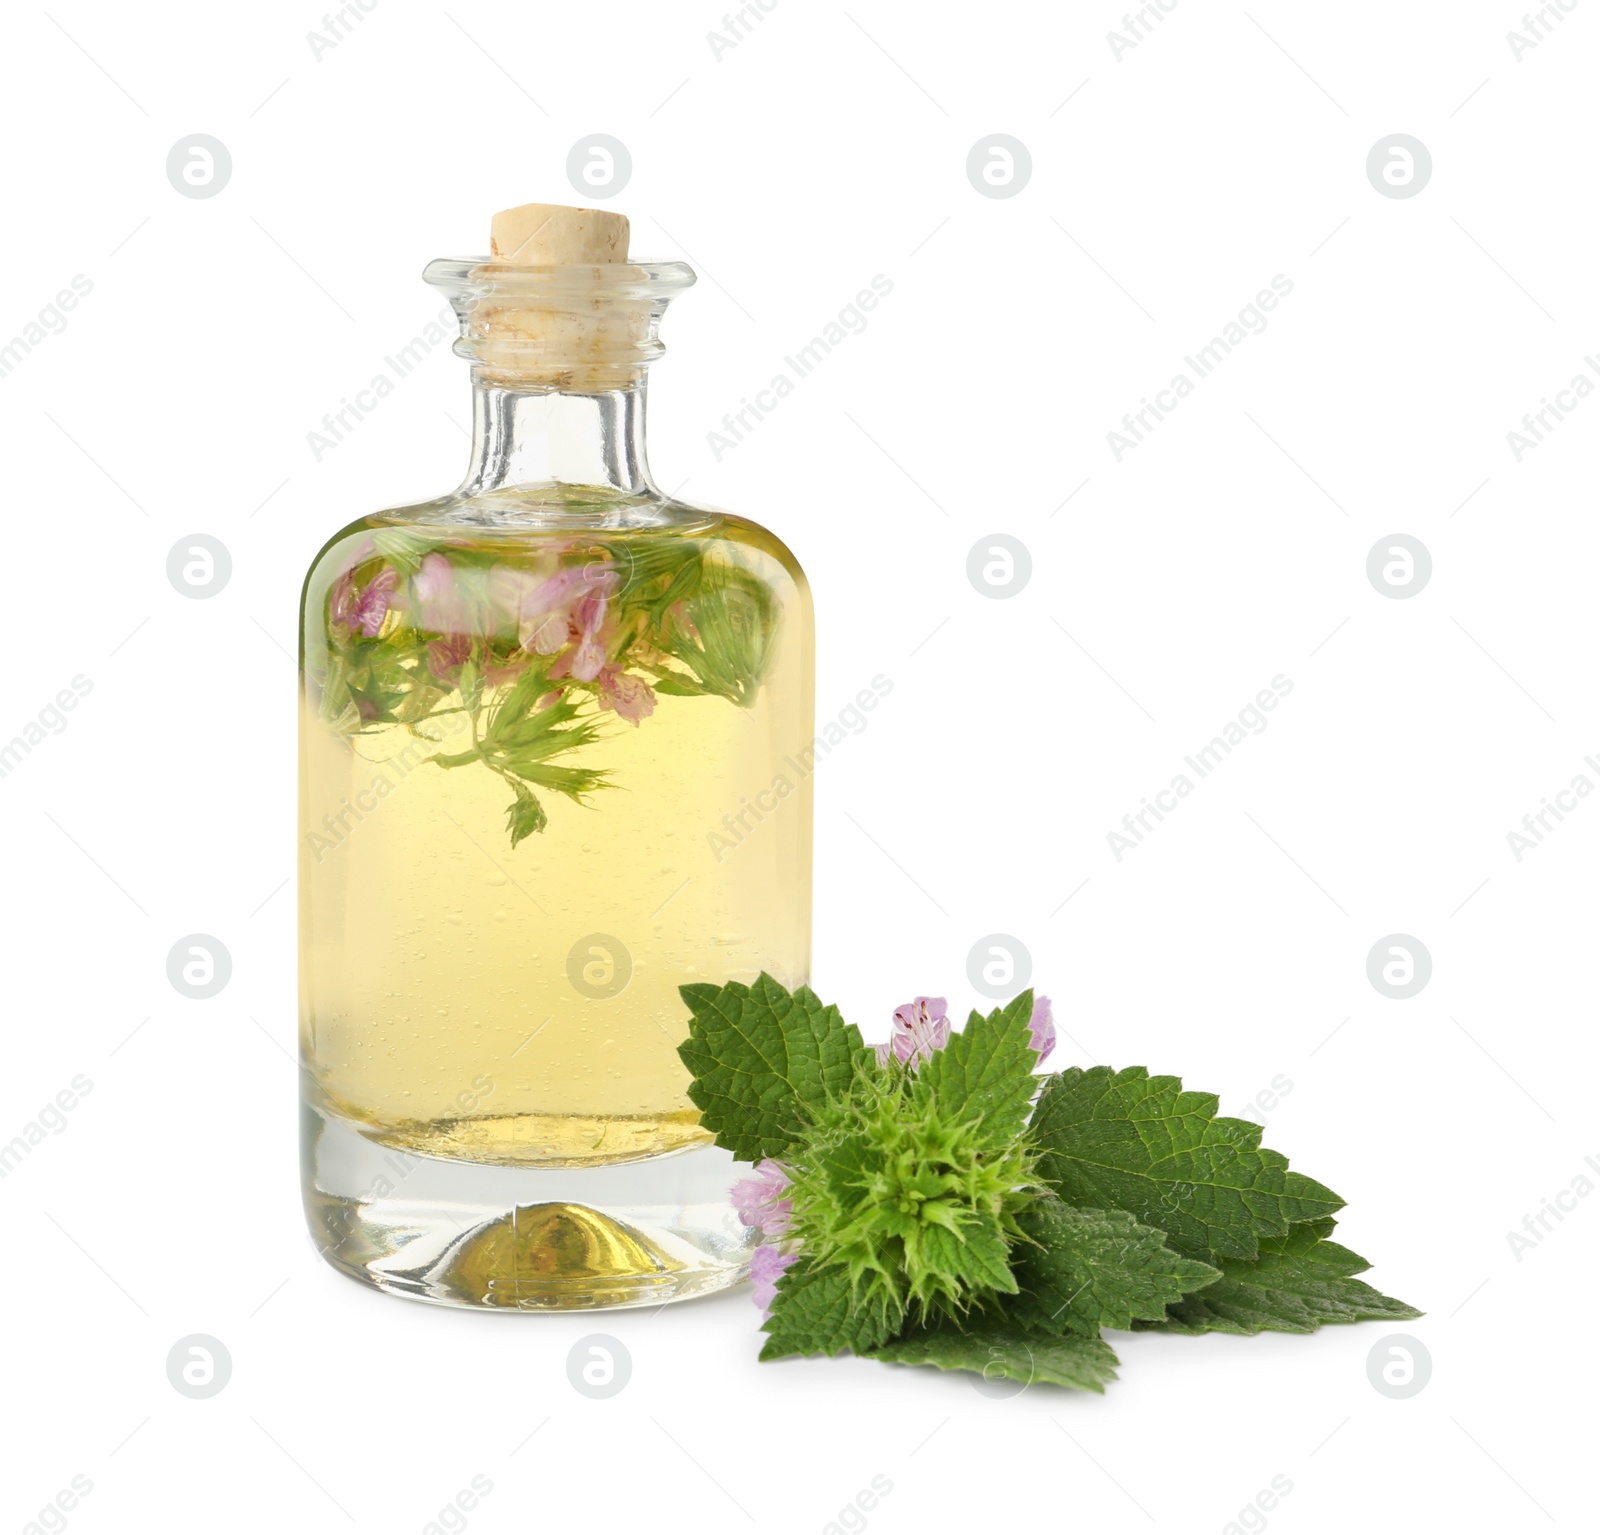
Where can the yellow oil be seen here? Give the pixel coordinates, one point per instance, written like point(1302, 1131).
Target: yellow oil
point(519, 1006)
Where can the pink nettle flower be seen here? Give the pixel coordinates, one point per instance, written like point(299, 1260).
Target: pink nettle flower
point(447, 655)
point(544, 615)
point(766, 1268)
point(554, 601)
point(438, 599)
point(632, 697)
point(570, 608)
point(545, 636)
point(920, 1028)
point(362, 611)
point(588, 622)
point(1042, 1027)
point(760, 1200)
point(509, 589)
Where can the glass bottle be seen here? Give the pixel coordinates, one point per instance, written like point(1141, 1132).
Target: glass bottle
point(555, 763)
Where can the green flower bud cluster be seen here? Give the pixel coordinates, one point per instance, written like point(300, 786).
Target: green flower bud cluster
point(899, 1190)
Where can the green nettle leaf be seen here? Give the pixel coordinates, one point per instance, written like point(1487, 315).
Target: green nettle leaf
point(684, 584)
point(418, 703)
point(987, 1071)
point(676, 686)
point(335, 705)
point(335, 700)
point(404, 550)
point(542, 734)
point(657, 575)
point(520, 744)
point(653, 569)
point(1301, 1282)
point(573, 782)
point(726, 643)
point(524, 815)
point(348, 721)
point(519, 698)
point(377, 691)
point(971, 1255)
point(765, 1061)
point(1096, 1268)
point(998, 1351)
point(1128, 1141)
point(819, 1311)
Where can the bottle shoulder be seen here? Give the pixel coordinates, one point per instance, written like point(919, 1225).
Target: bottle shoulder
point(519, 532)
point(746, 533)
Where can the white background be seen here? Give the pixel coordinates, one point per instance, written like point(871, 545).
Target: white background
point(1168, 186)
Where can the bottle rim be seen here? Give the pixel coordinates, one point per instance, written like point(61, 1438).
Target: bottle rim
point(474, 278)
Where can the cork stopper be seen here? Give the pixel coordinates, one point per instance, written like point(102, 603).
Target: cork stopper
point(546, 234)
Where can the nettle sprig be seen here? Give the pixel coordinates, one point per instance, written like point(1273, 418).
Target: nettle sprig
point(515, 658)
point(937, 1201)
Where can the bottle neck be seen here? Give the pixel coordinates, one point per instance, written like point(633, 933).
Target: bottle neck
point(544, 438)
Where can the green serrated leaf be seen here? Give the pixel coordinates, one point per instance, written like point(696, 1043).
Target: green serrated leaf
point(726, 642)
point(377, 691)
point(986, 1072)
point(404, 550)
point(649, 565)
point(544, 731)
point(348, 721)
point(519, 698)
point(1096, 1268)
point(677, 686)
point(418, 703)
point(1300, 1282)
point(573, 782)
point(336, 706)
point(524, 815)
point(971, 1254)
point(1129, 1141)
point(764, 1060)
point(335, 699)
point(683, 585)
point(818, 1310)
point(999, 1351)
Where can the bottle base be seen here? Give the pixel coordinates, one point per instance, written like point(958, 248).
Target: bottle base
point(496, 1238)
